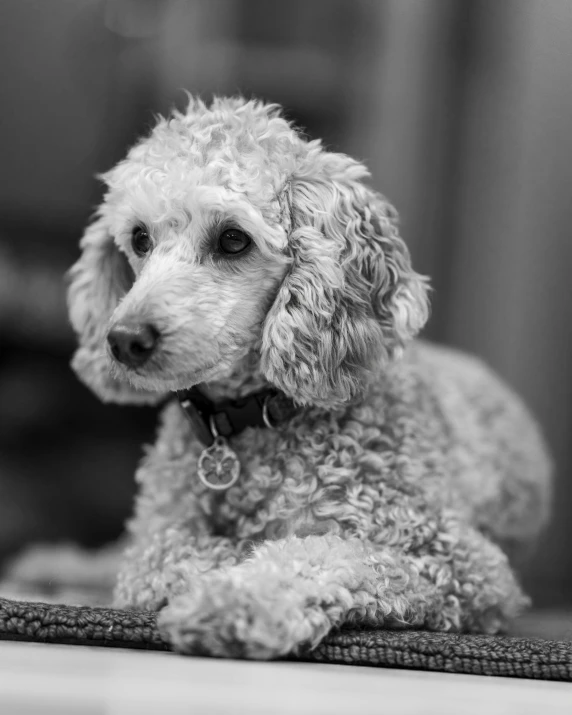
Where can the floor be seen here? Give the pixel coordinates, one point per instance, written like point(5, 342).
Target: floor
point(77, 680)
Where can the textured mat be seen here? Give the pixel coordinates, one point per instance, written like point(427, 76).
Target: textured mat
point(478, 655)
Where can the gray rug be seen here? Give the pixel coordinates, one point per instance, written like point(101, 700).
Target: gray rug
point(510, 656)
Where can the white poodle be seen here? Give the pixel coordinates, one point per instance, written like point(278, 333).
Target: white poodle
point(332, 471)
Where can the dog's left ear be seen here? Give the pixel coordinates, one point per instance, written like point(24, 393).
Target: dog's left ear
point(351, 300)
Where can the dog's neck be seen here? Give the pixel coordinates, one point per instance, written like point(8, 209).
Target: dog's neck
point(224, 408)
point(244, 379)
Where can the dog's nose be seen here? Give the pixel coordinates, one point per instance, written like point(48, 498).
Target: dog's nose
point(132, 344)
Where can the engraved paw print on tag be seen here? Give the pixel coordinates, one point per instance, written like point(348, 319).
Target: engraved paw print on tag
point(218, 465)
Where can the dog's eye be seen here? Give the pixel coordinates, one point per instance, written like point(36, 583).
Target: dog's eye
point(233, 241)
point(141, 241)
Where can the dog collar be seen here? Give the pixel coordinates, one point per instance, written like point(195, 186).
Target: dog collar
point(267, 408)
point(218, 467)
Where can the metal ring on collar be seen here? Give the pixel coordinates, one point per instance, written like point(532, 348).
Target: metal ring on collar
point(212, 425)
point(265, 415)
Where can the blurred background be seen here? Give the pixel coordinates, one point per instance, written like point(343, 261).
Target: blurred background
point(462, 109)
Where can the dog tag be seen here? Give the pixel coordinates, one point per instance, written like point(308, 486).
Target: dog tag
point(218, 465)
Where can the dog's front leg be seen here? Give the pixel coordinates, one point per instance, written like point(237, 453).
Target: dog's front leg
point(290, 593)
point(167, 562)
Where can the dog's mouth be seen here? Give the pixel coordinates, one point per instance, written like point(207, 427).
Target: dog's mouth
point(157, 380)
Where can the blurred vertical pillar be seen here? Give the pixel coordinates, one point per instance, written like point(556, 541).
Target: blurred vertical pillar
point(134, 84)
point(402, 88)
point(509, 296)
point(197, 51)
point(57, 58)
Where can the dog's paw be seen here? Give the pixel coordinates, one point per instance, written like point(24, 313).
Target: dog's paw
point(221, 618)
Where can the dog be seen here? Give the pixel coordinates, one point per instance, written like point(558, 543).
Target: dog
point(317, 465)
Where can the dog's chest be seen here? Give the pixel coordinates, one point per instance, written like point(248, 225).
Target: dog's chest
point(322, 475)
point(271, 489)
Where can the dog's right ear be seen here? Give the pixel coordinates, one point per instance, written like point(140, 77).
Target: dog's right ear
point(97, 282)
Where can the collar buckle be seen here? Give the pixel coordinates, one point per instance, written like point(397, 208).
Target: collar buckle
point(197, 419)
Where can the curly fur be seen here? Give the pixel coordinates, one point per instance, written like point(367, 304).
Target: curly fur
point(409, 472)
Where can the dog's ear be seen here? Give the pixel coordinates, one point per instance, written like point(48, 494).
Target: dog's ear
point(351, 300)
point(97, 282)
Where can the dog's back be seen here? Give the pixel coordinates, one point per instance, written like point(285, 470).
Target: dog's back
point(499, 464)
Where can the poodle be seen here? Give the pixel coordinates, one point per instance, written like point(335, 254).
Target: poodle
point(315, 466)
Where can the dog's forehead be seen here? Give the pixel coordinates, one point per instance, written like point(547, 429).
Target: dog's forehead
point(183, 155)
point(221, 148)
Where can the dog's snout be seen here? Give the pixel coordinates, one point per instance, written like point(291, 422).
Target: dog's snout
point(132, 344)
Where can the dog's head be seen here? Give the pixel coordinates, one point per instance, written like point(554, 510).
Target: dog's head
point(226, 232)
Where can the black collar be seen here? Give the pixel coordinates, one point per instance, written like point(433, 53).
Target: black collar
point(267, 408)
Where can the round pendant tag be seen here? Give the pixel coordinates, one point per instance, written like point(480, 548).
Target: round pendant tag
point(218, 465)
